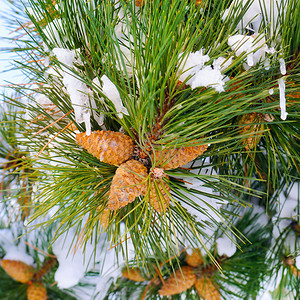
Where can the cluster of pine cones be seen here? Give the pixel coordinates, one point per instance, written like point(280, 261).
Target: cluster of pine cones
point(133, 176)
point(184, 278)
point(24, 273)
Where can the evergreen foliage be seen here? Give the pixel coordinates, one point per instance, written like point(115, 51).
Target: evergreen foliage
point(221, 76)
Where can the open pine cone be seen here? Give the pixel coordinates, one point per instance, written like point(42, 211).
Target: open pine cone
point(182, 280)
point(130, 179)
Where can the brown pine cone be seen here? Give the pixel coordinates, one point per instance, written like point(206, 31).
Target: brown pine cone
point(133, 274)
point(18, 270)
point(195, 259)
point(179, 282)
point(173, 158)
point(158, 193)
point(112, 148)
point(36, 291)
point(251, 141)
point(128, 183)
point(206, 290)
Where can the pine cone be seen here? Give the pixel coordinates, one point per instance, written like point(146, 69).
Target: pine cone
point(174, 158)
point(133, 274)
point(36, 291)
point(206, 290)
point(18, 270)
point(158, 193)
point(179, 282)
point(112, 148)
point(251, 141)
point(195, 259)
point(128, 183)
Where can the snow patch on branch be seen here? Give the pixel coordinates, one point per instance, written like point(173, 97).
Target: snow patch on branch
point(252, 46)
point(226, 245)
point(112, 93)
point(80, 95)
point(206, 76)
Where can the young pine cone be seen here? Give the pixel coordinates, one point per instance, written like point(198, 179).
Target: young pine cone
point(133, 274)
point(18, 270)
point(195, 259)
point(179, 282)
point(128, 183)
point(206, 290)
point(36, 291)
point(251, 141)
point(173, 158)
point(158, 193)
point(112, 148)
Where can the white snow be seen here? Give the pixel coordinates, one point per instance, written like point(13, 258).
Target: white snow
point(72, 266)
point(297, 260)
point(202, 75)
point(258, 9)
point(209, 77)
point(112, 93)
point(267, 63)
point(193, 63)
point(282, 66)
point(226, 246)
point(251, 45)
point(125, 41)
point(80, 94)
point(221, 63)
point(281, 85)
point(271, 91)
point(13, 250)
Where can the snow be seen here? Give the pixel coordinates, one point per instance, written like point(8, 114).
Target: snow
point(72, 266)
point(13, 251)
point(80, 94)
point(282, 66)
point(281, 85)
point(267, 63)
point(271, 91)
point(206, 76)
point(226, 246)
point(221, 63)
point(257, 11)
point(125, 41)
point(193, 63)
point(209, 77)
point(112, 93)
point(297, 260)
point(251, 45)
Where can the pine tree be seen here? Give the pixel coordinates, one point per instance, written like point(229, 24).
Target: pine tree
point(156, 131)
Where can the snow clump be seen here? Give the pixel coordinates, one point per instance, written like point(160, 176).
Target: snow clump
point(206, 76)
